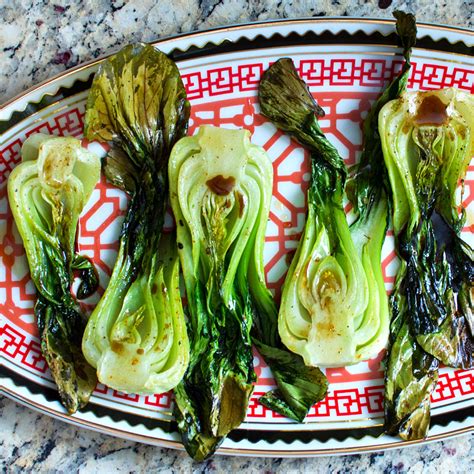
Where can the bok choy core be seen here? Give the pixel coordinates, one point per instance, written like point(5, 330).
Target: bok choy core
point(47, 193)
point(427, 141)
point(136, 336)
point(326, 287)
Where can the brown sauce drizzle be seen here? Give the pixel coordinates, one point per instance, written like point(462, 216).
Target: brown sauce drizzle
point(240, 198)
point(117, 347)
point(431, 111)
point(220, 185)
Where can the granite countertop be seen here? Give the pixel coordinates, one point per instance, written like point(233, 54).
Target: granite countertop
point(39, 39)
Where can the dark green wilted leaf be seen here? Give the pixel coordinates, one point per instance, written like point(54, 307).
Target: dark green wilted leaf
point(286, 100)
point(299, 386)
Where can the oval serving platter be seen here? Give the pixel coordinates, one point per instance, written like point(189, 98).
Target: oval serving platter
point(346, 62)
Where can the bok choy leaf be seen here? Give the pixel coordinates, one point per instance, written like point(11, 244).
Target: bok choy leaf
point(136, 336)
point(47, 193)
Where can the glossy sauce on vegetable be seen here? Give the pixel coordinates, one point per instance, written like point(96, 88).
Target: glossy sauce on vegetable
point(240, 197)
point(431, 111)
point(220, 185)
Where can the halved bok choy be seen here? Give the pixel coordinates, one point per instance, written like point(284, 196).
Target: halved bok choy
point(428, 142)
point(136, 336)
point(217, 200)
point(334, 309)
point(47, 192)
point(326, 288)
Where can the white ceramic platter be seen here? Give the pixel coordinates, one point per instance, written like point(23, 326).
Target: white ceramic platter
point(346, 62)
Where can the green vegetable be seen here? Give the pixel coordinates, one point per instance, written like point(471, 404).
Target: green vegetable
point(427, 141)
point(220, 189)
point(366, 190)
point(136, 336)
point(47, 193)
point(326, 287)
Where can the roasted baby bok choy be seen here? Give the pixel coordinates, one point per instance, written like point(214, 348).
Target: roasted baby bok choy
point(136, 337)
point(220, 189)
point(326, 288)
point(47, 193)
point(428, 141)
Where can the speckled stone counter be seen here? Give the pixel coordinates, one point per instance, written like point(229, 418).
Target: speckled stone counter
point(39, 39)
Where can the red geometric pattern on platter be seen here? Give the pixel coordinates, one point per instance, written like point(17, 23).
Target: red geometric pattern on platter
point(105, 209)
point(211, 82)
point(337, 403)
point(162, 400)
point(448, 387)
point(14, 345)
point(9, 157)
point(98, 228)
point(350, 402)
point(69, 122)
point(369, 399)
point(17, 292)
